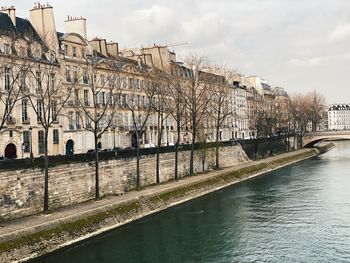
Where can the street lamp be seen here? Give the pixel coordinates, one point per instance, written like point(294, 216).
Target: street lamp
point(113, 137)
point(31, 140)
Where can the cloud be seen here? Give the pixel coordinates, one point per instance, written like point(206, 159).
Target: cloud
point(153, 23)
point(340, 33)
point(295, 44)
point(310, 62)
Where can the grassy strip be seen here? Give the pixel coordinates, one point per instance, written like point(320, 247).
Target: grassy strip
point(75, 227)
point(290, 159)
point(182, 191)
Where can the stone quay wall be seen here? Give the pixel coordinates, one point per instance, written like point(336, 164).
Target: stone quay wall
point(22, 190)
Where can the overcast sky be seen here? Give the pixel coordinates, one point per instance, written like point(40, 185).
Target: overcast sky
point(301, 45)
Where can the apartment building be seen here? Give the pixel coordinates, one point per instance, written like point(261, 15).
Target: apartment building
point(339, 117)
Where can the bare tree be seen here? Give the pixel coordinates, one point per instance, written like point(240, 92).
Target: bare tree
point(220, 104)
point(139, 102)
point(177, 106)
point(197, 97)
point(14, 71)
point(96, 104)
point(47, 100)
point(159, 81)
point(317, 106)
point(300, 109)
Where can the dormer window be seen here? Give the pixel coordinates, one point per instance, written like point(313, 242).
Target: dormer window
point(22, 52)
point(7, 49)
point(74, 51)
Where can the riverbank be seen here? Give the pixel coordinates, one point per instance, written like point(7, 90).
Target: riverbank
point(37, 235)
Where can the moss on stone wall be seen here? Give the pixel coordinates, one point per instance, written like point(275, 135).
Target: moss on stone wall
point(74, 228)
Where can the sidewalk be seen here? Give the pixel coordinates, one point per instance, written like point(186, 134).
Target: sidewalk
point(12, 229)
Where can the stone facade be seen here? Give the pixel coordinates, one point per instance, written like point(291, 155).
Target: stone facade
point(22, 190)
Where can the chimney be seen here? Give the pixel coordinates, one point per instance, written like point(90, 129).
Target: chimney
point(113, 49)
point(11, 12)
point(100, 46)
point(42, 19)
point(76, 25)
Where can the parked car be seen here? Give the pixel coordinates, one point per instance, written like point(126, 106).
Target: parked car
point(116, 149)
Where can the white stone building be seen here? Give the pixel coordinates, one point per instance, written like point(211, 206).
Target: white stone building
point(339, 117)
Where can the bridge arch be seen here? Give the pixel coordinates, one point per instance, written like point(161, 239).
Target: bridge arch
point(312, 138)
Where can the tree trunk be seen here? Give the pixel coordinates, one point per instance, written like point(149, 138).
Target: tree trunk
point(46, 179)
point(97, 175)
point(177, 151)
point(138, 185)
point(159, 141)
point(217, 165)
point(192, 150)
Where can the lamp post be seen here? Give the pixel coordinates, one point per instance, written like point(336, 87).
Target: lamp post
point(113, 137)
point(31, 140)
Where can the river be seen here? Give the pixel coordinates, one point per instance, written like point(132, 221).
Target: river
point(299, 213)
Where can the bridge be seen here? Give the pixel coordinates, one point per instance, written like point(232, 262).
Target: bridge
point(311, 138)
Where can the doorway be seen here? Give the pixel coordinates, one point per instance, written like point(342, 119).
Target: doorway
point(70, 147)
point(11, 151)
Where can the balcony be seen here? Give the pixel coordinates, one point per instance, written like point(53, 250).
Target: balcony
point(25, 120)
point(11, 120)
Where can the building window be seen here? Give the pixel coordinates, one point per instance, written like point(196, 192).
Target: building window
point(65, 49)
point(103, 98)
point(74, 51)
point(41, 142)
point(52, 81)
point(77, 120)
point(38, 82)
point(7, 49)
point(75, 74)
point(7, 78)
point(54, 110)
point(87, 120)
point(8, 108)
point(70, 120)
point(85, 78)
point(55, 136)
point(24, 110)
point(68, 78)
point(22, 80)
point(110, 99)
point(22, 52)
point(39, 109)
point(26, 141)
point(86, 97)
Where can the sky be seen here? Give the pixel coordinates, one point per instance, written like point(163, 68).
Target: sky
point(300, 45)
